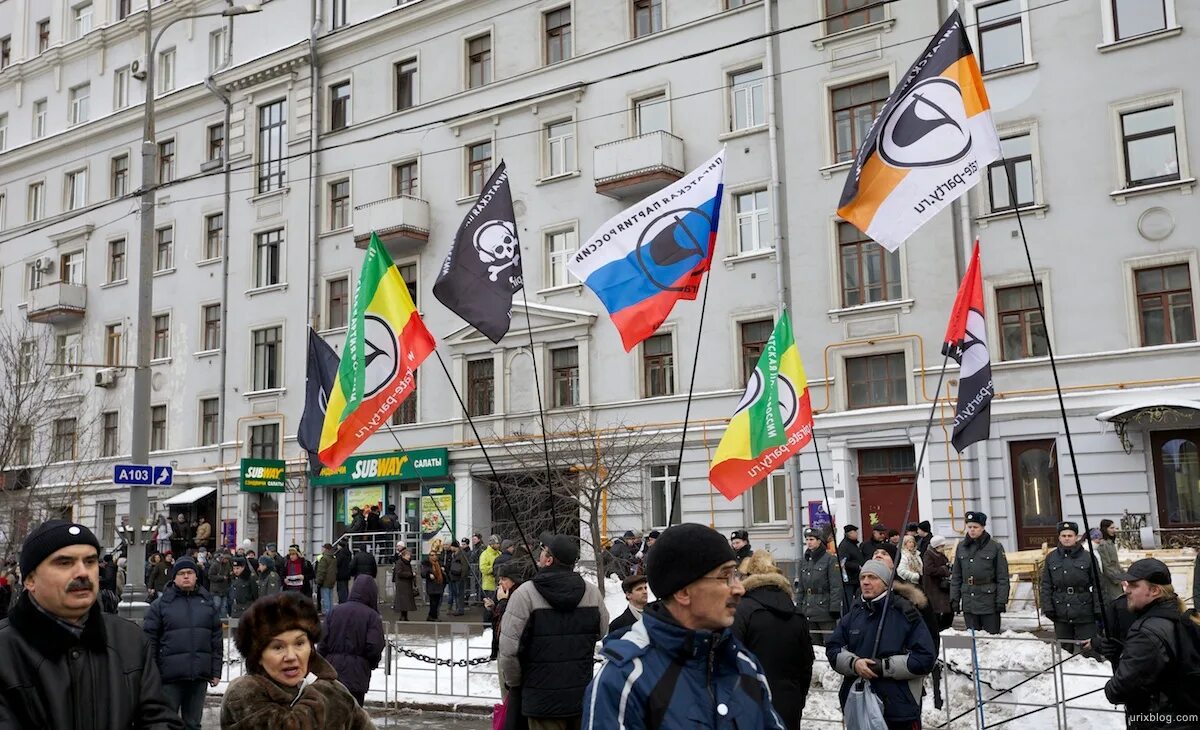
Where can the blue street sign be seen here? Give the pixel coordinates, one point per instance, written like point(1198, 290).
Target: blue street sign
point(143, 475)
point(163, 476)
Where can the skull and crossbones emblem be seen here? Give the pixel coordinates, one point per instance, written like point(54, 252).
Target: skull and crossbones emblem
point(497, 246)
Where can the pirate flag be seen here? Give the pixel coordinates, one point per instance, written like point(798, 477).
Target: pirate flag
point(966, 342)
point(322, 369)
point(483, 269)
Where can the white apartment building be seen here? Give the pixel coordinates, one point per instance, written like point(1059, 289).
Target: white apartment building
point(388, 117)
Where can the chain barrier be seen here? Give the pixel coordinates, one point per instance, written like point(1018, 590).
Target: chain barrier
point(440, 662)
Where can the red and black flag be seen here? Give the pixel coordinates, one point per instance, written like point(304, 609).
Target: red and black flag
point(966, 342)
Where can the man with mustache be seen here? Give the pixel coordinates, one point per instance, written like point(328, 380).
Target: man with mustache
point(63, 663)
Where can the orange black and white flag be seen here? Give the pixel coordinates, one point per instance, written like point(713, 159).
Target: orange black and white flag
point(929, 145)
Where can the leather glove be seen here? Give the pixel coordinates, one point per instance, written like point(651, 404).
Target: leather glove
point(956, 606)
point(1110, 649)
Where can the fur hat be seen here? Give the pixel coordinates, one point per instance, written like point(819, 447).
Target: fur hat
point(760, 563)
point(271, 616)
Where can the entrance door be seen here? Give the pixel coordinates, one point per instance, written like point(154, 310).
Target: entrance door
point(268, 521)
point(1035, 492)
point(886, 480)
point(1177, 477)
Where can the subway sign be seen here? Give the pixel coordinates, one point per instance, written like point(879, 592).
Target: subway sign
point(394, 466)
point(264, 475)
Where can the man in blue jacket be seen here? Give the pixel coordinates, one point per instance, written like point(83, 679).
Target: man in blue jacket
point(184, 628)
point(680, 666)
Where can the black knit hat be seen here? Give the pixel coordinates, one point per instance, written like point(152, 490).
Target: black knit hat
point(565, 549)
point(682, 555)
point(50, 537)
point(924, 525)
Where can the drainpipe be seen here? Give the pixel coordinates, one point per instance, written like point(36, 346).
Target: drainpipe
point(314, 222)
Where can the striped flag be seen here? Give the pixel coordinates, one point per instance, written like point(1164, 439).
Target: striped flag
point(773, 420)
point(386, 342)
point(931, 143)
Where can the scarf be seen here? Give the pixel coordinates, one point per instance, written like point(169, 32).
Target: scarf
point(435, 566)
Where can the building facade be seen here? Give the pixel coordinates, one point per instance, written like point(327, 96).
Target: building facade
point(281, 148)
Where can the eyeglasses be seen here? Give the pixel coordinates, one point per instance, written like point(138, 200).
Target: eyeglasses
point(731, 577)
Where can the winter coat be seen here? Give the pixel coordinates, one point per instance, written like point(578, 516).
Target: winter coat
point(820, 579)
point(326, 571)
point(744, 552)
point(256, 702)
point(106, 679)
point(770, 625)
point(373, 523)
point(870, 546)
point(433, 586)
point(219, 573)
point(458, 568)
point(923, 544)
point(909, 567)
point(406, 585)
point(487, 560)
point(905, 654)
point(184, 630)
point(1147, 676)
point(203, 533)
point(1066, 590)
point(920, 601)
point(851, 557)
point(980, 577)
point(243, 590)
point(157, 581)
point(353, 642)
point(345, 562)
point(548, 638)
point(268, 582)
point(625, 620)
point(935, 580)
point(108, 577)
point(363, 563)
point(358, 523)
point(664, 676)
point(301, 568)
point(623, 559)
point(501, 559)
point(1110, 569)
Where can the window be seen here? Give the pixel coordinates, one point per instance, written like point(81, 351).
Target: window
point(564, 370)
point(71, 268)
point(406, 84)
point(166, 161)
point(82, 20)
point(651, 114)
point(560, 147)
point(165, 71)
point(79, 98)
point(43, 35)
point(339, 106)
point(24, 445)
point(3, 207)
point(211, 316)
point(876, 380)
point(558, 35)
point(479, 61)
point(124, 8)
point(28, 361)
point(33, 276)
point(754, 337)
point(647, 17)
point(339, 204)
point(76, 189)
point(1138, 17)
point(121, 88)
point(39, 119)
point(658, 366)
point(272, 128)
point(264, 439)
point(406, 412)
point(162, 337)
point(1001, 37)
point(731, 4)
point(663, 481)
point(268, 248)
point(214, 231)
point(106, 523)
point(118, 178)
point(747, 89)
point(479, 166)
point(1017, 164)
point(339, 14)
point(210, 421)
point(753, 229)
point(405, 178)
point(480, 387)
point(870, 273)
point(1166, 314)
point(1148, 140)
point(216, 141)
point(337, 302)
point(62, 447)
point(164, 249)
point(217, 43)
point(1022, 332)
point(116, 260)
point(560, 246)
point(768, 500)
point(158, 428)
point(854, 108)
point(846, 14)
point(408, 272)
point(67, 349)
point(110, 444)
point(113, 336)
point(5, 51)
point(37, 201)
point(3, 132)
point(268, 358)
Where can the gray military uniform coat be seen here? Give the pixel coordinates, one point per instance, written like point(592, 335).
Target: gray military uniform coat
point(1066, 592)
point(980, 577)
point(820, 585)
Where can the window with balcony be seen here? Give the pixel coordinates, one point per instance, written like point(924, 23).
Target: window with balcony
point(71, 268)
point(1151, 153)
point(215, 142)
point(479, 61)
point(164, 249)
point(339, 106)
point(210, 421)
point(405, 179)
point(1022, 332)
point(337, 302)
point(80, 98)
point(481, 390)
point(558, 34)
point(118, 176)
point(264, 441)
point(647, 17)
point(158, 428)
point(1017, 165)
point(68, 346)
point(36, 201)
point(560, 148)
point(854, 109)
point(267, 345)
point(116, 260)
point(63, 443)
point(339, 204)
point(844, 15)
point(1165, 304)
point(210, 316)
point(110, 444)
point(664, 502)
point(39, 119)
point(560, 246)
point(479, 166)
point(876, 380)
point(658, 366)
point(869, 272)
point(81, 20)
point(166, 161)
point(162, 337)
point(121, 82)
point(753, 212)
point(564, 372)
point(268, 258)
point(165, 71)
point(406, 84)
point(214, 233)
point(1132, 18)
point(652, 114)
point(754, 336)
point(769, 500)
point(114, 336)
point(43, 35)
point(75, 189)
point(272, 133)
point(747, 89)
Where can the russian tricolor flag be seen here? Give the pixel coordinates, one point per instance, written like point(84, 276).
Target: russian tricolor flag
point(655, 252)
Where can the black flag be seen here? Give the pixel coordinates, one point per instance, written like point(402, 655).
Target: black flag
point(966, 342)
point(483, 269)
point(322, 369)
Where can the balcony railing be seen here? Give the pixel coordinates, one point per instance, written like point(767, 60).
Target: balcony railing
point(638, 166)
point(402, 223)
point(57, 302)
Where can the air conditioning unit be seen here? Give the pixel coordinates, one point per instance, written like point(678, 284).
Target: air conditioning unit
point(44, 264)
point(106, 377)
point(137, 68)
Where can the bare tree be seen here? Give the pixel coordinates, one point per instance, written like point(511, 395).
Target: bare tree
point(590, 468)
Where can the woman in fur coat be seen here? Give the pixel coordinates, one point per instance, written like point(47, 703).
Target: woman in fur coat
point(288, 685)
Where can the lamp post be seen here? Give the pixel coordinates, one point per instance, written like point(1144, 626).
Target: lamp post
point(140, 451)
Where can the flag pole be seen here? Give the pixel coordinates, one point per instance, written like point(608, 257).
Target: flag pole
point(687, 411)
point(847, 594)
point(537, 382)
point(487, 457)
point(1062, 408)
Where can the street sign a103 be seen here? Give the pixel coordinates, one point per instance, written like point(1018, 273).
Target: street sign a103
point(145, 475)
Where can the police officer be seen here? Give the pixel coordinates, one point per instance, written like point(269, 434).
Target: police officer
point(739, 540)
point(1067, 595)
point(820, 594)
point(979, 583)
